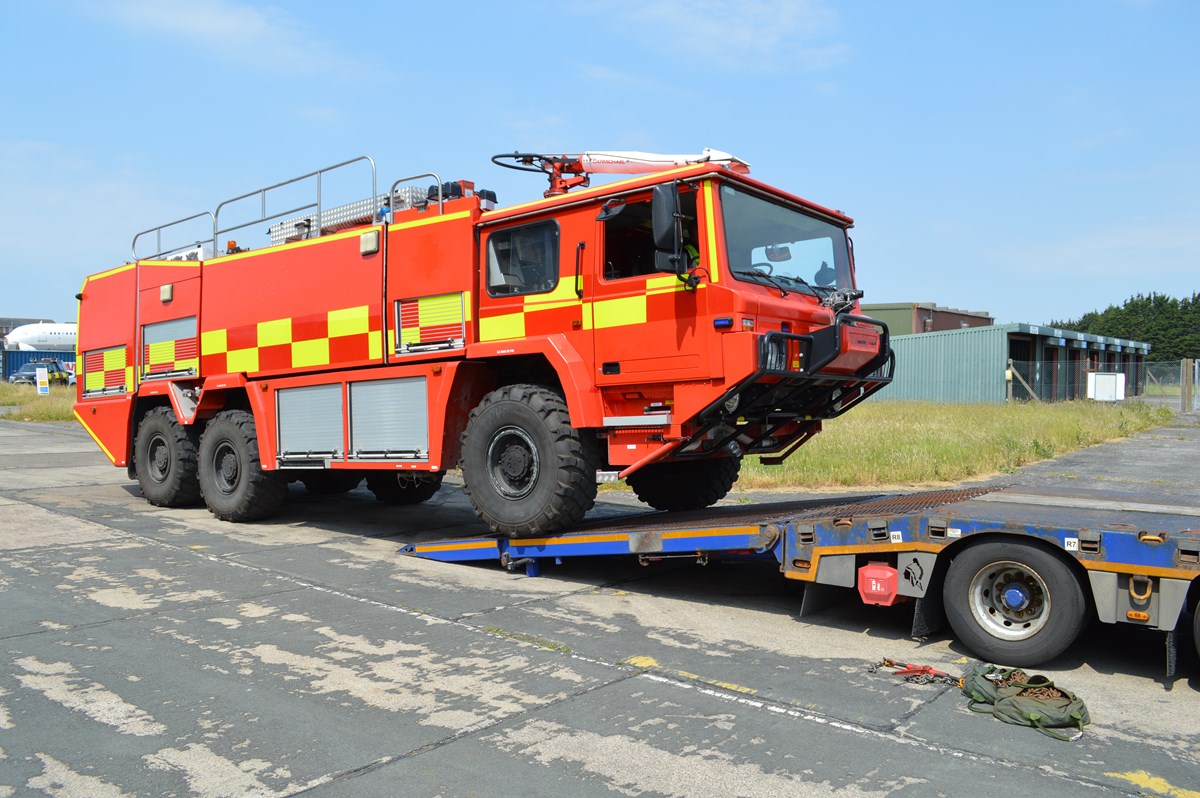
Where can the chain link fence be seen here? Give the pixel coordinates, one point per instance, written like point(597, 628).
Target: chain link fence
point(1175, 383)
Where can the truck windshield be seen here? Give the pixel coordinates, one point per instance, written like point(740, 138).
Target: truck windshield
point(776, 244)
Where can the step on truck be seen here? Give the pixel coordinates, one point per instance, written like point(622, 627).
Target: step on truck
point(655, 329)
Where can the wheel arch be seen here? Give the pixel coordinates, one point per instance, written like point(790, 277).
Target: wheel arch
point(551, 361)
point(947, 555)
point(142, 405)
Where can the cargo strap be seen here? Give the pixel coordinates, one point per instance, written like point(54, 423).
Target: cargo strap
point(916, 674)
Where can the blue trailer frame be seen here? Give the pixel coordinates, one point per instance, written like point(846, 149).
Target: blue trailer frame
point(1126, 558)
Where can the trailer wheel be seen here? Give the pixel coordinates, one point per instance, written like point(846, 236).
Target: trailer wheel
point(232, 480)
point(1196, 628)
point(1013, 602)
point(166, 460)
point(404, 487)
point(685, 484)
point(525, 469)
point(328, 482)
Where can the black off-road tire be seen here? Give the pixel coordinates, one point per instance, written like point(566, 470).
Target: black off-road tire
point(1013, 602)
point(404, 487)
point(686, 484)
point(526, 470)
point(166, 459)
point(232, 480)
point(328, 482)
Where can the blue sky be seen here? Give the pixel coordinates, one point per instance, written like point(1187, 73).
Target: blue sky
point(1031, 160)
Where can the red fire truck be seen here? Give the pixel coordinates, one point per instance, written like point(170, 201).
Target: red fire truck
point(656, 329)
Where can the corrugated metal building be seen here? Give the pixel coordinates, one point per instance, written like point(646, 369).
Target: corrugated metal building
point(972, 365)
point(903, 318)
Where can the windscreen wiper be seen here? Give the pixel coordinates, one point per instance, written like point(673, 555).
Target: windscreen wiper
point(760, 273)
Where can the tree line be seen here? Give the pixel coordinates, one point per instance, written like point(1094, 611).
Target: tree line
point(1171, 326)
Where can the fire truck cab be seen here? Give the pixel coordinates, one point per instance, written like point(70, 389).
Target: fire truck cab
point(656, 329)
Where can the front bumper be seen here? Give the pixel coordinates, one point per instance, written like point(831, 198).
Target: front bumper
point(800, 381)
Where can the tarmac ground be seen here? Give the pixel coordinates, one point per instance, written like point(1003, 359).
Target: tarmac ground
point(155, 652)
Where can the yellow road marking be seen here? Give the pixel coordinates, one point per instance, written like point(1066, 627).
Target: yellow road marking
point(649, 663)
point(1148, 782)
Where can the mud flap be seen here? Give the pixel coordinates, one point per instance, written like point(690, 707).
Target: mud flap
point(928, 615)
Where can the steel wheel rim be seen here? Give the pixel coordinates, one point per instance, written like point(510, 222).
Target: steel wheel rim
point(1009, 600)
point(226, 468)
point(513, 464)
point(158, 452)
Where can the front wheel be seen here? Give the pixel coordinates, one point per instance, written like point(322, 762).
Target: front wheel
point(234, 484)
point(165, 460)
point(1013, 602)
point(526, 470)
point(685, 484)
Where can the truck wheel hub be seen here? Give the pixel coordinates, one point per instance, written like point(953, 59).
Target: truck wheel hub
point(513, 463)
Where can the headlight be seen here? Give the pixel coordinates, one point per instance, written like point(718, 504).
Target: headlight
point(776, 355)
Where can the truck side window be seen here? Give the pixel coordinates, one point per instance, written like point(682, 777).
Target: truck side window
point(629, 238)
point(523, 260)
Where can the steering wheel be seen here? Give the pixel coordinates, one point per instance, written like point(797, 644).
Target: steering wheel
point(762, 267)
point(523, 161)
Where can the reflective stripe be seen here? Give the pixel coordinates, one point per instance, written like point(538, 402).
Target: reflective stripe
point(499, 328)
point(214, 342)
point(310, 353)
point(432, 319)
point(241, 360)
point(107, 368)
point(708, 194)
point(349, 321)
point(274, 333)
point(620, 312)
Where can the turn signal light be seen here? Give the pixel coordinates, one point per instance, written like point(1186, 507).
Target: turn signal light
point(1135, 615)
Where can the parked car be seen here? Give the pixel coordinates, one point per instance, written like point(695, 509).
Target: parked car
point(54, 370)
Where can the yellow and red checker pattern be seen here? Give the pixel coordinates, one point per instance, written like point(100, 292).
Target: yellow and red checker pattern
point(107, 368)
point(171, 356)
point(344, 335)
point(432, 318)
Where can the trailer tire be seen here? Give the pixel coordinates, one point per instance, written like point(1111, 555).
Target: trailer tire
point(166, 459)
point(526, 470)
point(1196, 628)
point(404, 487)
point(685, 484)
point(232, 480)
point(1013, 602)
point(328, 482)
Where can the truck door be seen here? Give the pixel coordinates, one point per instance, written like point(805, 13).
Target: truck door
point(646, 324)
point(530, 289)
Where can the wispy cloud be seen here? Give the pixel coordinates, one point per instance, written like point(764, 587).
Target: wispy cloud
point(751, 35)
point(265, 37)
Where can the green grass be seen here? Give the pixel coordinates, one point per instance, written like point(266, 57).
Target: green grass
point(909, 443)
point(28, 406)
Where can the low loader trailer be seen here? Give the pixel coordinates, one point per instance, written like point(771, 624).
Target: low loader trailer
point(1017, 572)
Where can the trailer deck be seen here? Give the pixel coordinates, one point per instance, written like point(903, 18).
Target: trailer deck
point(1137, 554)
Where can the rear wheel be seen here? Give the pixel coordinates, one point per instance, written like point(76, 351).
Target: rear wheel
point(234, 484)
point(166, 460)
point(686, 484)
point(526, 470)
point(1013, 602)
point(404, 487)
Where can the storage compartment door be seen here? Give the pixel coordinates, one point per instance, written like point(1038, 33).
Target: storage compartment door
point(389, 419)
point(310, 424)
